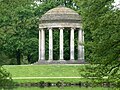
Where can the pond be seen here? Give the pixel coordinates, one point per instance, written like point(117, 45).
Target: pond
point(64, 88)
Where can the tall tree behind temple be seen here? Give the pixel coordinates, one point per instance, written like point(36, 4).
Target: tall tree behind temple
point(102, 20)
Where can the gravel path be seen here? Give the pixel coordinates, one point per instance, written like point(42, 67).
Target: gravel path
point(43, 77)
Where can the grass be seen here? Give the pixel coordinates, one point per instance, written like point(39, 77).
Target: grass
point(51, 80)
point(44, 71)
point(66, 88)
point(48, 71)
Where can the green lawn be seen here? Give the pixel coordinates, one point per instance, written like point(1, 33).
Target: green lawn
point(51, 80)
point(66, 88)
point(44, 70)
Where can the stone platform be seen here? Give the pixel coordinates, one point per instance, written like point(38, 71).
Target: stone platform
point(59, 62)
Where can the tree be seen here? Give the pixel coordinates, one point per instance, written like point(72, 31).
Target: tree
point(5, 79)
point(102, 21)
point(19, 29)
point(16, 26)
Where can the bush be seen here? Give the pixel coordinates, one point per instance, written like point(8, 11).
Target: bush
point(5, 79)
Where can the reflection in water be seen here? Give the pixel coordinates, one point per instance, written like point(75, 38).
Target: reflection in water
point(62, 88)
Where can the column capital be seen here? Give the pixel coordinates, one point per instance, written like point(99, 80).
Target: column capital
point(61, 28)
point(73, 28)
point(81, 28)
point(49, 28)
point(41, 28)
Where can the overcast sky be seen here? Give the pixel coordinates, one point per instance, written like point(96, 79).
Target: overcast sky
point(117, 3)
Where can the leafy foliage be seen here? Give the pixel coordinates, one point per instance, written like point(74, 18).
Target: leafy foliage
point(19, 29)
point(15, 24)
point(102, 21)
point(5, 79)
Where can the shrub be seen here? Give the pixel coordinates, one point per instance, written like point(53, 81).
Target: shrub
point(5, 79)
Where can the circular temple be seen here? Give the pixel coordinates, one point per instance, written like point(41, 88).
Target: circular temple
point(60, 17)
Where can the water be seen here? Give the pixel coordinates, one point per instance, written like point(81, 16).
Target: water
point(63, 88)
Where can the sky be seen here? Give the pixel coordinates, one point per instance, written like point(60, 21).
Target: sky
point(117, 3)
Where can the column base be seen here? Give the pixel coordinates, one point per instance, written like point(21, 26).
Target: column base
point(81, 60)
point(50, 60)
point(72, 60)
point(41, 60)
point(59, 62)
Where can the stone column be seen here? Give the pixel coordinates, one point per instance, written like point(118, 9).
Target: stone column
point(61, 44)
point(72, 44)
point(80, 46)
point(39, 45)
point(42, 44)
point(50, 44)
point(83, 48)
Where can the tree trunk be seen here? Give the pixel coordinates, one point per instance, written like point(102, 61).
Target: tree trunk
point(28, 57)
point(18, 53)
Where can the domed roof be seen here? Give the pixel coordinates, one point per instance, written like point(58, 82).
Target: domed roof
point(60, 17)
